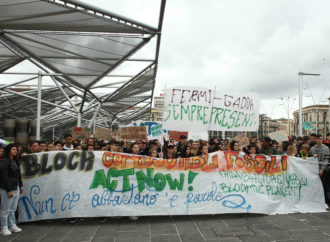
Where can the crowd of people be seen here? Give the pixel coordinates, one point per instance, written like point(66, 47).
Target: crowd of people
point(11, 182)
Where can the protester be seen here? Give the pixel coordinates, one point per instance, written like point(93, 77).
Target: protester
point(68, 142)
point(182, 143)
point(186, 152)
point(194, 148)
point(103, 147)
point(143, 148)
point(292, 150)
point(313, 138)
point(322, 152)
point(327, 141)
point(77, 147)
point(51, 147)
point(135, 148)
point(10, 189)
point(42, 146)
point(267, 148)
point(169, 154)
point(58, 145)
point(304, 151)
point(113, 145)
point(153, 153)
point(234, 146)
point(252, 149)
point(203, 150)
point(33, 147)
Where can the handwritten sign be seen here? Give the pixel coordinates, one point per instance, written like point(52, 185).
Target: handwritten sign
point(156, 130)
point(81, 133)
point(66, 184)
point(176, 135)
point(134, 133)
point(199, 109)
point(198, 136)
point(103, 133)
point(281, 135)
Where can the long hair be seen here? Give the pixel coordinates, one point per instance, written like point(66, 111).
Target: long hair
point(232, 144)
point(8, 148)
point(291, 149)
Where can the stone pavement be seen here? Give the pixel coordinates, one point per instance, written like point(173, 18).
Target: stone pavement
point(224, 227)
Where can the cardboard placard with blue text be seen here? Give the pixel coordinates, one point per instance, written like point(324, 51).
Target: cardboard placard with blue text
point(199, 109)
point(64, 184)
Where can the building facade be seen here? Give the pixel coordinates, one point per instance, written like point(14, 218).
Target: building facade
point(158, 108)
point(266, 125)
point(283, 125)
point(317, 118)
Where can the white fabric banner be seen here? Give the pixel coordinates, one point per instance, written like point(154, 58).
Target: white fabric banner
point(91, 184)
point(199, 109)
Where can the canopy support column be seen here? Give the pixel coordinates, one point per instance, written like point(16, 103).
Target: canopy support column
point(39, 105)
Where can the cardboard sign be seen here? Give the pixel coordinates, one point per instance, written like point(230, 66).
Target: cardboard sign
point(176, 135)
point(281, 135)
point(134, 133)
point(81, 133)
point(103, 133)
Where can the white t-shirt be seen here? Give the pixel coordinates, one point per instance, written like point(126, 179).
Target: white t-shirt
point(67, 148)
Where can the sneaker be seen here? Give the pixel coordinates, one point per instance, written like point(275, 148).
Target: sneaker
point(5, 231)
point(133, 218)
point(15, 229)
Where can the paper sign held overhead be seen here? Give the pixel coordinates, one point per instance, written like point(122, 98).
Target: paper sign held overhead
point(199, 109)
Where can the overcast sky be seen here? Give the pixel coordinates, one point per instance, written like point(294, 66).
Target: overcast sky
point(241, 46)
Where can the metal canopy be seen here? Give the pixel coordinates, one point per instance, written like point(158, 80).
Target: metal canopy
point(77, 45)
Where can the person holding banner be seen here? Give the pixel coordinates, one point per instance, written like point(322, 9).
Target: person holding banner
point(203, 150)
point(10, 190)
point(234, 146)
point(321, 151)
point(292, 150)
point(186, 152)
point(304, 152)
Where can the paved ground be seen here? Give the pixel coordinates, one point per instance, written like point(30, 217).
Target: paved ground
point(231, 227)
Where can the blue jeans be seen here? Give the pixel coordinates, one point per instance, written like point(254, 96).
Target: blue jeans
point(8, 207)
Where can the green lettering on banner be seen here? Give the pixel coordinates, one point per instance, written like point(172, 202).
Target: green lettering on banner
point(175, 116)
point(193, 109)
point(213, 111)
point(143, 179)
point(168, 111)
point(112, 173)
point(175, 184)
point(199, 116)
point(159, 182)
point(224, 117)
point(204, 115)
point(238, 119)
point(99, 179)
point(233, 119)
point(246, 121)
point(185, 111)
point(125, 174)
point(217, 119)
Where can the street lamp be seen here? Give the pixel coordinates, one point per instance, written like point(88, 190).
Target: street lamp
point(301, 74)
